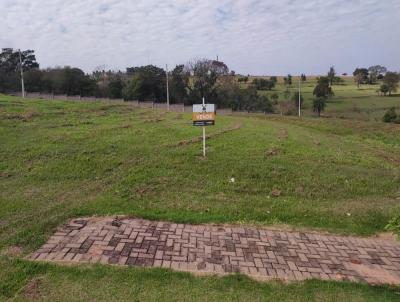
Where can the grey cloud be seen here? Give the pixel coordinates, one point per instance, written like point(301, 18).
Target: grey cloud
point(259, 37)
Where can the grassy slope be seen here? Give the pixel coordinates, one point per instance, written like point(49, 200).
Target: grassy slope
point(349, 101)
point(65, 159)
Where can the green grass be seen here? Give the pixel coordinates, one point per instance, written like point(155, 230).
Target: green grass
point(66, 159)
point(349, 102)
point(105, 283)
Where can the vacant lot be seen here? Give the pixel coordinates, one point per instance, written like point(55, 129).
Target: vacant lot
point(67, 159)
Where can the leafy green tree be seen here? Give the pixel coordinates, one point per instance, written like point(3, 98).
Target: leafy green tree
point(288, 80)
point(178, 85)
point(33, 80)
point(376, 72)
point(275, 98)
point(384, 89)
point(263, 84)
point(295, 98)
point(286, 94)
point(9, 60)
point(391, 80)
point(204, 75)
point(115, 87)
point(274, 80)
point(10, 67)
point(227, 92)
point(67, 80)
point(263, 104)
point(75, 82)
point(360, 76)
point(243, 79)
point(146, 83)
point(249, 100)
point(319, 105)
point(331, 75)
point(303, 77)
point(323, 89)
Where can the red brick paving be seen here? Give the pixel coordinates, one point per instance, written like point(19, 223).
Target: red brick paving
point(257, 252)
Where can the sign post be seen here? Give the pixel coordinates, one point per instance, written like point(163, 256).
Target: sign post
point(203, 115)
point(204, 136)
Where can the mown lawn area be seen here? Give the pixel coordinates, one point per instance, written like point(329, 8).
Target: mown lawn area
point(28, 281)
point(63, 159)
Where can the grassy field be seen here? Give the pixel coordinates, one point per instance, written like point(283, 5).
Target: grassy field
point(349, 102)
point(102, 283)
point(67, 159)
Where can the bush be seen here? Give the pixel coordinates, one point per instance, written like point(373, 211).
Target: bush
point(275, 98)
point(319, 105)
point(243, 79)
point(384, 89)
point(391, 116)
point(394, 225)
point(263, 84)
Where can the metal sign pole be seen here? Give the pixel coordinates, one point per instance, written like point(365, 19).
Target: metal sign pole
point(204, 136)
point(204, 141)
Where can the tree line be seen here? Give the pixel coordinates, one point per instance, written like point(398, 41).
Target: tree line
point(378, 74)
point(188, 83)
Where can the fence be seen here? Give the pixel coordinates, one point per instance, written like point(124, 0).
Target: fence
point(146, 104)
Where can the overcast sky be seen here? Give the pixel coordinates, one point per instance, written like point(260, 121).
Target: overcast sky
point(250, 36)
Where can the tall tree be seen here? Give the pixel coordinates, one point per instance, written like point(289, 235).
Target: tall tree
point(323, 89)
point(295, 98)
point(319, 105)
point(178, 84)
point(384, 89)
point(147, 83)
point(331, 75)
point(204, 75)
point(360, 76)
point(288, 80)
point(228, 93)
point(115, 87)
point(10, 67)
point(376, 72)
point(391, 80)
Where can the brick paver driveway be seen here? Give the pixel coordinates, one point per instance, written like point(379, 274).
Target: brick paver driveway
point(257, 252)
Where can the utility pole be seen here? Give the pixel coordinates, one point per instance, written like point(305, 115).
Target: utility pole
point(204, 134)
point(300, 96)
point(22, 74)
point(167, 87)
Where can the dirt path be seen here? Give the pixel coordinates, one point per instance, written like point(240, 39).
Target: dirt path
point(258, 252)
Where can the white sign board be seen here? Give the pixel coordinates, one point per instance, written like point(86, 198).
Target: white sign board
point(204, 108)
point(203, 115)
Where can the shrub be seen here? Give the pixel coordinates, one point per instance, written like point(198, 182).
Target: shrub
point(391, 116)
point(263, 84)
point(384, 89)
point(243, 79)
point(394, 225)
point(319, 105)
